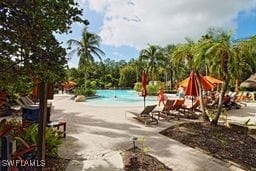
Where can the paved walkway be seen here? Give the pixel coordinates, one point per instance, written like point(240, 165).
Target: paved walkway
point(96, 137)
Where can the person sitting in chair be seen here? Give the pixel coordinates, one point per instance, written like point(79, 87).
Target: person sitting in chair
point(226, 101)
point(181, 92)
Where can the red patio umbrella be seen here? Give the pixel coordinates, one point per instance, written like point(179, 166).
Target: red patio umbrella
point(213, 80)
point(193, 87)
point(144, 80)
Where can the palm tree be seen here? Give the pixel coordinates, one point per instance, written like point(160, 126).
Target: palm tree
point(168, 68)
point(184, 52)
point(87, 48)
point(220, 52)
point(154, 57)
point(187, 53)
point(243, 61)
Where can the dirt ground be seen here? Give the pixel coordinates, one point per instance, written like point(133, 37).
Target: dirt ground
point(219, 141)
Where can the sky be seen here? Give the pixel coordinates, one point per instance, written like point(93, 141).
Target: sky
point(127, 26)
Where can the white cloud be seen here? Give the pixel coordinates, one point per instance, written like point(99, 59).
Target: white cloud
point(139, 22)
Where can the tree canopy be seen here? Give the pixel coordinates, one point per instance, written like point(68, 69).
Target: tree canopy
point(28, 45)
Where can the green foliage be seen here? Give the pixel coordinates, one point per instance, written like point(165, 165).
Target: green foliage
point(154, 58)
point(137, 86)
point(153, 89)
point(52, 143)
point(144, 148)
point(30, 135)
point(16, 125)
point(86, 49)
point(93, 84)
point(108, 85)
point(84, 91)
point(36, 49)
point(127, 76)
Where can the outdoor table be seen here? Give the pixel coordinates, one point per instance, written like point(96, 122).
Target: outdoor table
point(57, 124)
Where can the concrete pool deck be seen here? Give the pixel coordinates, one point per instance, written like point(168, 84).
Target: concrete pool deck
point(96, 137)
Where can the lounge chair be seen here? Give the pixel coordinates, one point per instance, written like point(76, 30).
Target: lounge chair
point(26, 106)
point(30, 113)
point(175, 111)
point(145, 116)
point(190, 112)
point(29, 102)
point(164, 113)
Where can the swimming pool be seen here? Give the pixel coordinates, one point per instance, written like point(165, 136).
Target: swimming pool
point(120, 98)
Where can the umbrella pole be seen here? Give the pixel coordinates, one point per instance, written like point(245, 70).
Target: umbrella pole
point(144, 101)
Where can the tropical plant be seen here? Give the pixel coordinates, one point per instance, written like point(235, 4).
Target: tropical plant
point(86, 91)
point(184, 52)
point(153, 56)
point(137, 86)
point(52, 143)
point(127, 76)
point(188, 54)
point(221, 52)
point(153, 89)
point(243, 59)
point(86, 49)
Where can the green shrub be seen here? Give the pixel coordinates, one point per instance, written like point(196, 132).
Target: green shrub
point(16, 125)
point(108, 85)
point(88, 83)
point(84, 91)
point(153, 89)
point(93, 84)
point(137, 86)
point(170, 91)
point(52, 141)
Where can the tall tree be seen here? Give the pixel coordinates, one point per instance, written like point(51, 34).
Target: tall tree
point(86, 49)
point(243, 60)
point(169, 68)
point(153, 56)
point(28, 43)
point(184, 52)
point(187, 53)
point(220, 51)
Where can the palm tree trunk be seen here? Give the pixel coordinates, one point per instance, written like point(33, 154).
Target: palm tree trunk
point(137, 74)
point(221, 96)
point(171, 79)
point(85, 78)
point(237, 85)
point(202, 105)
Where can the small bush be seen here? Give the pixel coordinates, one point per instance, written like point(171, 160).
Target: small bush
point(93, 84)
point(153, 89)
point(52, 141)
point(108, 85)
point(137, 86)
point(84, 91)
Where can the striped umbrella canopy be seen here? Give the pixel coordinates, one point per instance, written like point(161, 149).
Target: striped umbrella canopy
point(184, 83)
point(213, 80)
point(193, 87)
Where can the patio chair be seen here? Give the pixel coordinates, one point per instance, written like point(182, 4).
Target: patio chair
point(190, 112)
point(24, 153)
point(164, 113)
point(29, 102)
point(26, 106)
point(175, 111)
point(145, 116)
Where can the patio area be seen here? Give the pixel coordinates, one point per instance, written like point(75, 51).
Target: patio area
point(97, 135)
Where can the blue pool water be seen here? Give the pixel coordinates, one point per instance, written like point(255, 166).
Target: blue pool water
point(120, 98)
